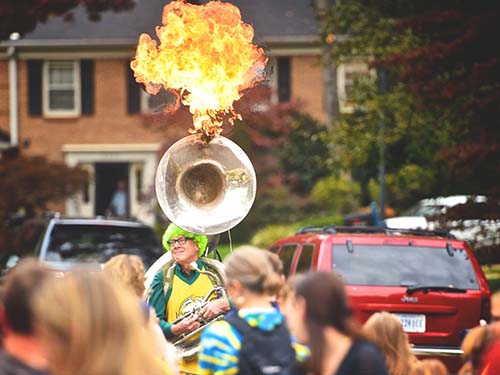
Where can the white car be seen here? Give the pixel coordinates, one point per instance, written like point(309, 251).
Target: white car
point(422, 216)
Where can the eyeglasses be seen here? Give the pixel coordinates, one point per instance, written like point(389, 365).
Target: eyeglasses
point(494, 319)
point(181, 241)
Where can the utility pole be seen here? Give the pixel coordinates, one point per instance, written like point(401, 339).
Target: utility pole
point(382, 89)
point(331, 101)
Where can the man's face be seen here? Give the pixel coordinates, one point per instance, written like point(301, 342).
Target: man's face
point(184, 250)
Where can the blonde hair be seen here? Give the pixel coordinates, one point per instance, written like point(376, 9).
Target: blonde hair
point(128, 270)
point(91, 326)
point(387, 332)
point(252, 268)
point(429, 367)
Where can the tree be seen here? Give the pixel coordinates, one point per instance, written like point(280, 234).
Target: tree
point(440, 106)
point(23, 16)
point(442, 99)
point(29, 183)
point(27, 186)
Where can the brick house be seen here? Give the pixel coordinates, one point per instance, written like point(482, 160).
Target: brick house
point(66, 89)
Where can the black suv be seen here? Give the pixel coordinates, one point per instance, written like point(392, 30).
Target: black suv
point(68, 243)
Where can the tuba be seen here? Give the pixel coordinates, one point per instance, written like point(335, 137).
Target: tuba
point(204, 188)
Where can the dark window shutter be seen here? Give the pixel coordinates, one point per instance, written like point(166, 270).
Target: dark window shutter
point(87, 85)
point(284, 90)
point(133, 91)
point(34, 87)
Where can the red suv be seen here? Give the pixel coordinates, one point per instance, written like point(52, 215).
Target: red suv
point(430, 280)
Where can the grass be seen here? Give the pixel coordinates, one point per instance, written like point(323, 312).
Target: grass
point(492, 273)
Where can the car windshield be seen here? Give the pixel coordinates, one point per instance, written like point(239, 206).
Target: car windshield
point(409, 266)
point(423, 210)
point(98, 243)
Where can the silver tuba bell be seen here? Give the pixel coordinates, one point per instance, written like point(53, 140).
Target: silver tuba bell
point(205, 188)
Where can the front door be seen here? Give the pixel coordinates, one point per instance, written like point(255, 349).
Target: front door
point(108, 178)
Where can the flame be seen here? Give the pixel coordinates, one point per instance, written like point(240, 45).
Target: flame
point(206, 56)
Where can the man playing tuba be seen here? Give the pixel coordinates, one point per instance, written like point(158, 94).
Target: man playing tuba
point(177, 296)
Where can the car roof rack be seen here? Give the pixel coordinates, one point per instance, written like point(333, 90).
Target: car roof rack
point(334, 229)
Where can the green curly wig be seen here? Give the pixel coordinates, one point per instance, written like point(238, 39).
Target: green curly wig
point(174, 231)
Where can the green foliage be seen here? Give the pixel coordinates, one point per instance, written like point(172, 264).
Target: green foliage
point(304, 156)
point(336, 194)
point(408, 183)
point(263, 238)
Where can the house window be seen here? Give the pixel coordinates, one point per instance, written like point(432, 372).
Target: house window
point(347, 74)
point(157, 103)
point(284, 81)
point(61, 85)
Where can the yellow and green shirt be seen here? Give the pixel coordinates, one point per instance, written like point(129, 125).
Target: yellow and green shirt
point(184, 291)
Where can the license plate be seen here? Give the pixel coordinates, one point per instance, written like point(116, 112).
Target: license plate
point(414, 323)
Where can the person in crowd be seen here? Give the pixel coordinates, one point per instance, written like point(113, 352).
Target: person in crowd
point(118, 204)
point(430, 366)
point(21, 352)
point(386, 331)
point(171, 299)
point(481, 350)
point(495, 307)
point(319, 314)
point(253, 338)
point(277, 266)
point(90, 325)
point(128, 271)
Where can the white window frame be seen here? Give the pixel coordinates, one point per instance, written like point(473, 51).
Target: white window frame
point(76, 111)
point(342, 70)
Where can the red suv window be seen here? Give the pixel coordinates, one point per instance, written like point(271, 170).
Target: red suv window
point(286, 256)
point(407, 266)
point(305, 259)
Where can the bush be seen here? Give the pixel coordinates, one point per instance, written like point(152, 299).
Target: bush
point(264, 237)
point(336, 194)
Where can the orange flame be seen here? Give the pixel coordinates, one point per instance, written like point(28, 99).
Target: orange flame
point(206, 56)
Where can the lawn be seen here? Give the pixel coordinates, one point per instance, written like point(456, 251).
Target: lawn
point(492, 273)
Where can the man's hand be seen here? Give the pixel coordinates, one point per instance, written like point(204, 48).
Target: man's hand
point(214, 308)
point(186, 325)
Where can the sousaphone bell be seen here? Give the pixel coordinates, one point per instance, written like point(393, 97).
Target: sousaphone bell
point(205, 188)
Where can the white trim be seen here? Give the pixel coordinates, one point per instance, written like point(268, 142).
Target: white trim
point(358, 66)
point(51, 113)
point(140, 156)
point(106, 147)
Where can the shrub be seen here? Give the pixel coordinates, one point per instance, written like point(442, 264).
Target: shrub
point(339, 195)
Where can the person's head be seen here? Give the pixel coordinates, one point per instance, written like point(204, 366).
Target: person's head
point(186, 247)
point(318, 302)
point(128, 270)
point(387, 332)
point(276, 264)
point(475, 343)
point(89, 325)
point(249, 271)
point(121, 185)
point(21, 285)
point(428, 367)
point(495, 307)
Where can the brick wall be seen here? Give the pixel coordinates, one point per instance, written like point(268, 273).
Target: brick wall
point(110, 122)
point(4, 95)
point(307, 84)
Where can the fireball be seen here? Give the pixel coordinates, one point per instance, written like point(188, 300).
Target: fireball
point(205, 55)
